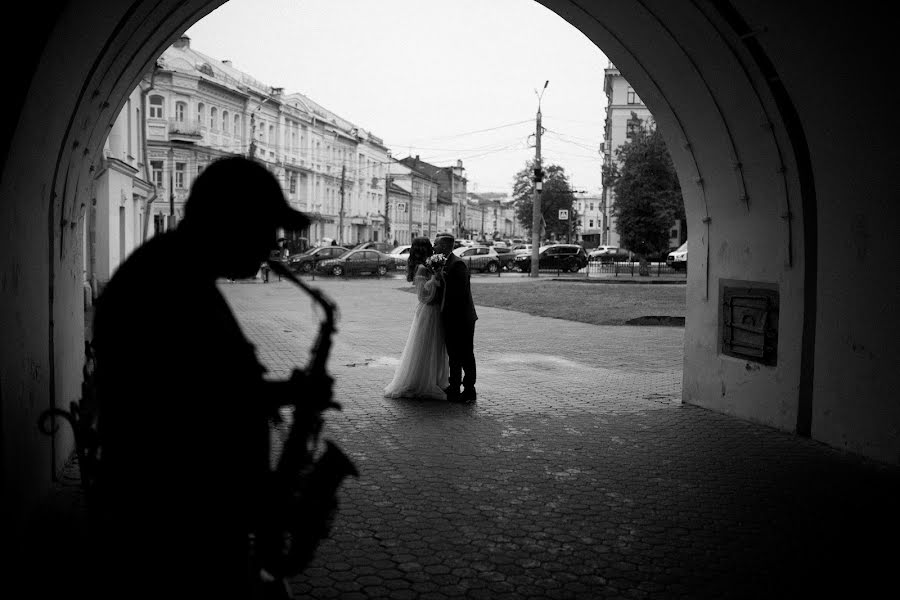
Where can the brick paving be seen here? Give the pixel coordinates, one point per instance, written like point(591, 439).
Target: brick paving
point(577, 474)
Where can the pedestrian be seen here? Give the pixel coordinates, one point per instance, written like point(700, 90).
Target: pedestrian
point(184, 408)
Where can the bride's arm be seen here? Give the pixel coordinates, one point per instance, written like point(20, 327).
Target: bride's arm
point(427, 285)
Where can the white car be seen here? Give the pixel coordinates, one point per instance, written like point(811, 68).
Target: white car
point(479, 258)
point(400, 254)
point(677, 259)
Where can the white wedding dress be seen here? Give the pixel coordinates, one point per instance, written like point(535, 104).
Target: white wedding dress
point(424, 367)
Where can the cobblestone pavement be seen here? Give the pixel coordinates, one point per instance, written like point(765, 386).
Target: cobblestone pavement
point(577, 474)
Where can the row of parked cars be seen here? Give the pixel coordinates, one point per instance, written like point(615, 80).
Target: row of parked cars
point(381, 258)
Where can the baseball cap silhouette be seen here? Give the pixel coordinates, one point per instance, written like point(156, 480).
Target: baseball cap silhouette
point(239, 190)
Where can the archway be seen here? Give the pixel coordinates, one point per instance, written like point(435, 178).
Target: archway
point(736, 105)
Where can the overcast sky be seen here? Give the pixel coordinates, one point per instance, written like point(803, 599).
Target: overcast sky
point(429, 76)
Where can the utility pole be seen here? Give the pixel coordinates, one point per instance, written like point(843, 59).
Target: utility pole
point(481, 206)
point(341, 213)
point(412, 198)
point(536, 216)
point(430, 211)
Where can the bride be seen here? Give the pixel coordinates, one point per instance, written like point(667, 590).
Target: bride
point(424, 368)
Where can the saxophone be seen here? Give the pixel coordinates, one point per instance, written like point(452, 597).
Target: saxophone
point(305, 481)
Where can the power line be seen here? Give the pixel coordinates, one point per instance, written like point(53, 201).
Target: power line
point(470, 132)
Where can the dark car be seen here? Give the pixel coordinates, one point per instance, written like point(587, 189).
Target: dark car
point(356, 262)
point(563, 257)
point(305, 262)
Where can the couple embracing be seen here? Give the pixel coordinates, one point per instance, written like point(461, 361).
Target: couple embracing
point(438, 356)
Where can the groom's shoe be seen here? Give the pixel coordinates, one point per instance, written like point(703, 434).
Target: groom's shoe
point(452, 393)
point(468, 394)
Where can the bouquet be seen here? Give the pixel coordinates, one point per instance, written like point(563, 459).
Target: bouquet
point(436, 262)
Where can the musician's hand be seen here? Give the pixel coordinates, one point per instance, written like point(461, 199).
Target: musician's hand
point(316, 387)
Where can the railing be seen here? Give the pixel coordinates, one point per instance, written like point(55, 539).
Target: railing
point(188, 128)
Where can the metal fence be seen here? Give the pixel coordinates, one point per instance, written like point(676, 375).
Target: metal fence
point(479, 267)
point(596, 269)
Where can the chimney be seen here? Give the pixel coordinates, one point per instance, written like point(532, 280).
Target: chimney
point(276, 91)
point(226, 62)
point(182, 42)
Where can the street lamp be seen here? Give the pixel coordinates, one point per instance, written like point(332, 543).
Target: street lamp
point(171, 223)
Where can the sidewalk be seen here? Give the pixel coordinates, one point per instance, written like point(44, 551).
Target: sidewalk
point(577, 474)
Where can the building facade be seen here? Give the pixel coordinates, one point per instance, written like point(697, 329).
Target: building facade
point(625, 112)
point(448, 205)
point(192, 109)
point(589, 219)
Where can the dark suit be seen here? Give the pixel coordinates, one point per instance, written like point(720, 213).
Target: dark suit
point(458, 315)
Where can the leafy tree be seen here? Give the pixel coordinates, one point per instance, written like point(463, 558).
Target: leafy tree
point(647, 193)
point(556, 195)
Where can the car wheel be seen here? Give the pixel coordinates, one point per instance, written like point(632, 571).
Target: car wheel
point(382, 270)
point(492, 267)
point(306, 267)
point(337, 271)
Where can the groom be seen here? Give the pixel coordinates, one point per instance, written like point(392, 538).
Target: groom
point(458, 316)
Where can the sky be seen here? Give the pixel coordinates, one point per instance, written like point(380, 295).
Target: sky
point(445, 80)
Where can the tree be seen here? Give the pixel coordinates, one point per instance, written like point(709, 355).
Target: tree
point(556, 195)
point(647, 193)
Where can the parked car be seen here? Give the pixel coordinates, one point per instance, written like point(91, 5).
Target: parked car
point(479, 258)
point(522, 248)
point(564, 257)
point(677, 259)
point(608, 254)
point(305, 262)
point(356, 262)
point(400, 254)
point(384, 247)
point(506, 256)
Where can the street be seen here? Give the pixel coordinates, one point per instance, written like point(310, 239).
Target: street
point(576, 475)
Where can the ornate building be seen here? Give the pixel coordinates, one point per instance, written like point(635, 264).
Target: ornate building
point(192, 109)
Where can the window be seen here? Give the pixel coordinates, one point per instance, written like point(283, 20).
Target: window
point(592, 206)
point(237, 124)
point(180, 111)
point(591, 223)
point(633, 127)
point(293, 183)
point(225, 121)
point(156, 172)
point(213, 118)
point(201, 113)
point(673, 233)
point(156, 107)
point(632, 97)
point(271, 138)
point(179, 174)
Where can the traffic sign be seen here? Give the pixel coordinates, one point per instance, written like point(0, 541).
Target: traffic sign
point(563, 214)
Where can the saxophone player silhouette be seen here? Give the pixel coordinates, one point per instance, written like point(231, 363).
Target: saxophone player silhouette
point(183, 496)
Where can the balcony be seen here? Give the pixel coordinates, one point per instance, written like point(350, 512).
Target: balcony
point(184, 131)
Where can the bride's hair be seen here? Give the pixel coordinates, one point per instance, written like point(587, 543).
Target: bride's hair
point(420, 250)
